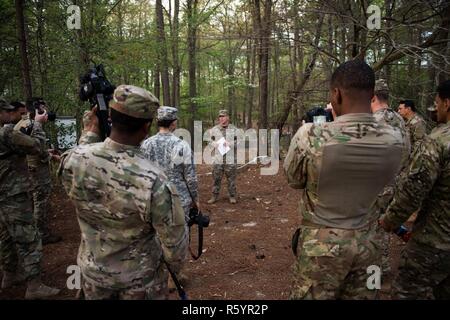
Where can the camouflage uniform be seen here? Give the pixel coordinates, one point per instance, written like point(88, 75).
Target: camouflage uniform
point(425, 265)
point(342, 167)
point(220, 163)
point(130, 216)
point(417, 128)
point(41, 183)
point(174, 156)
point(20, 240)
point(389, 117)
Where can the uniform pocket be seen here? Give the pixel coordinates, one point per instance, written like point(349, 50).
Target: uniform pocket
point(315, 245)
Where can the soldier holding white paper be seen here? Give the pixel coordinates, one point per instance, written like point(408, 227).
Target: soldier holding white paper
point(218, 136)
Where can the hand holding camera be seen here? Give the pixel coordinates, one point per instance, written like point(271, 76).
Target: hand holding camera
point(90, 121)
point(40, 107)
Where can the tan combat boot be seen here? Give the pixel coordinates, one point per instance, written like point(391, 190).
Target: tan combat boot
point(37, 290)
point(233, 200)
point(213, 199)
point(11, 279)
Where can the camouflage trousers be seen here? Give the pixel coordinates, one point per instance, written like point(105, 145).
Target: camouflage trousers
point(332, 263)
point(156, 289)
point(230, 171)
point(20, 242)
point(42, 188)
point(424, 273)
point(384, 239)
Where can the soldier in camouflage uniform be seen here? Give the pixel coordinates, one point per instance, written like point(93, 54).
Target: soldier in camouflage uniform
point(221, 165)
point(341, 166)
point(424, 270)
point(41, 184)
point(130, 216)
point(383, 114)
point(21, 248)
point(174, 156)
point(415, 124)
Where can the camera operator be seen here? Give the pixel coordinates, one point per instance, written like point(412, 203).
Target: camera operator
point(19, 238)
point(38, 166)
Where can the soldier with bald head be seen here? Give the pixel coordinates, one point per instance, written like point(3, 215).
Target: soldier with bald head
point(342, 167)
point(130, 216)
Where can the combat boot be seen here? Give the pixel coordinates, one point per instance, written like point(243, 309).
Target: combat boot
point(213, 199)
point(37, 290)
point(233, 200)
point(11, 279)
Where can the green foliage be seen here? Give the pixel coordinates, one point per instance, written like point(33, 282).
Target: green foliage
point(122, 36)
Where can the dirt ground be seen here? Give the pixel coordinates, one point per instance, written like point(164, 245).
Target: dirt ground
point(247, 252)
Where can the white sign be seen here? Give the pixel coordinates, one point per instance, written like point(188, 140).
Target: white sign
point(67, 132)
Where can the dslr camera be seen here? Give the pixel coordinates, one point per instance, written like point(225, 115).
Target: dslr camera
point(196, 217)
point(38, 105)
point(96, 88)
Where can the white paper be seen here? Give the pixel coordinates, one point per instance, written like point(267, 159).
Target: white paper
point(223, 147)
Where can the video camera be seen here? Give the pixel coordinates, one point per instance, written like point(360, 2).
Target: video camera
point(318, 115)
point(38, 105)
point(95, 88)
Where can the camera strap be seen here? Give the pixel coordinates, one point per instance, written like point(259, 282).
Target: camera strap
point(200, 243)
point(181, 293)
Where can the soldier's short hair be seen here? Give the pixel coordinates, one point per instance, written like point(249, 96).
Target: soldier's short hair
point(381, 90)
point(17, 105)
point(443, 90)
point(354, 74)
point(383, 96)
point(125, 123)
point(409, 104)
point(165, 123)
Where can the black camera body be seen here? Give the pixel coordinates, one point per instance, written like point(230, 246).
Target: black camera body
point(38, 104)
point(196, 217)
point(96, 88)
point(318, 111)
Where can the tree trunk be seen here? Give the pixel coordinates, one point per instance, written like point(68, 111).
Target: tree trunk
point(192, 58)
point(162, 53)
point(175, 58)
point(21, 35)
point(157, 83)
point(294, 96)
point(41, 51)
point(264, 33)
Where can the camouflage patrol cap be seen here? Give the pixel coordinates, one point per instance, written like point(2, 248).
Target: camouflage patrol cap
point(167, 113)
point(4, 105)
point(223, 113)
point(381, 85)
point(134, 101)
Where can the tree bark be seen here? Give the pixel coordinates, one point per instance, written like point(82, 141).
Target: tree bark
point(294, 96)
point(21, 35)
point(264, 33)
point(175, 58)
point(192, 58)
point(162, 53)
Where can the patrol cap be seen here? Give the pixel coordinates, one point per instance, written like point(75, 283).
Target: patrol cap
point(166, 113)
point(4, 105)
point(223, 113)
point(134, 101)
point(381, 85)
